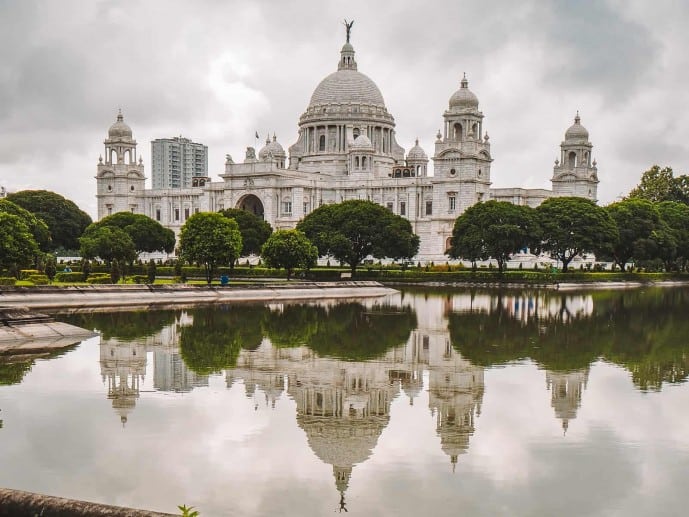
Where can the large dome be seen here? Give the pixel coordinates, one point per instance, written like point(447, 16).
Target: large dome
point(347, 86)
point(464, 98)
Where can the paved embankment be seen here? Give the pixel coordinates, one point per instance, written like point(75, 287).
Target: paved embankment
point(17, 502)
point(23, 331)
point(53, 298)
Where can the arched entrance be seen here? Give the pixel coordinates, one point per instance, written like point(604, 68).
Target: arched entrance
point(251, 203)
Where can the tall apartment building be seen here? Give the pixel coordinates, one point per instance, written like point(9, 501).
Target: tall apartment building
point(175, 161)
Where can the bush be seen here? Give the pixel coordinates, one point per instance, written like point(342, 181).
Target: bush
point(140, 279)
point(39, 279)
point(7, 280)
point(69, 277)
point(99, 278)
point(24, 274)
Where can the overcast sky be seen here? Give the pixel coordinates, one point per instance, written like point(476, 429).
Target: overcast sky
point(217, 71)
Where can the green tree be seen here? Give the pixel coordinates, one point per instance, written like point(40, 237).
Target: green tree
point(115, 272)
point(352, 230)
point(289, 249)
point(146, 234)
point(658, 185)
point(17, 245)
point(641, 231)
point(676, 216)
point(494, 229)
point(255, 231)
point(210, 239)
point(65, 220)
point(37, 227)
point(573, 225)
point(50, 267)
point(85, 269)
point(108, 244)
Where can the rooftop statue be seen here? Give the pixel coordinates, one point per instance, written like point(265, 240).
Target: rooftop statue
point(348, 25)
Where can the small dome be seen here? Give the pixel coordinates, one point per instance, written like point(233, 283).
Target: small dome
point(576, 131)
point(361, 142)
point(347, 47)
point(119, 129)
point(464, 98)
point(417, 152)
point(273, 149)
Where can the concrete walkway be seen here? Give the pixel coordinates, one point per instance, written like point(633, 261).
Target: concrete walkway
point(54, 297)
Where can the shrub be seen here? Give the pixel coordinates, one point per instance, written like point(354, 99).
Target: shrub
point(39, 279)
point(140, 279)
point(7, 280)
point(69, 277)
point(24, 274)
point(151, 271)
point(99, 278)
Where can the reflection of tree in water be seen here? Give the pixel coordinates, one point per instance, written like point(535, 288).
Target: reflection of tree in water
point(353, 332)
point(217, 335)
point(125, 326)
point(13, 368)
point(293, 324)
point(646, 331)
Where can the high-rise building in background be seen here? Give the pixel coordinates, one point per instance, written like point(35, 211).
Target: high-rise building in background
point(175, 161)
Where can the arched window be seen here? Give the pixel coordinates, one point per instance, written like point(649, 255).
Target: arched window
point(321, 143)
point(363, 162)
point(113, 156)
point(355, 132)
point(572, 159)
point(356, 162)
point(448, 243)
point(474, 130)
point(458, 131)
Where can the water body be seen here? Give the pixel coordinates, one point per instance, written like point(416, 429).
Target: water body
point(422, 403)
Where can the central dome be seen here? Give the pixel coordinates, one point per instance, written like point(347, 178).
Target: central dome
point(347, 86)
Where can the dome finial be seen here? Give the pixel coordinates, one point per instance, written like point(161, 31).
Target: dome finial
point(577, 119)
point(120, 118)
point(417, 141)
point(465, 83)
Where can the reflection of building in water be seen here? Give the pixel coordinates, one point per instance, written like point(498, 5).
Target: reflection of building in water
point(123, 366)
point(526, 306)
point(565, 393)
point(344, 406)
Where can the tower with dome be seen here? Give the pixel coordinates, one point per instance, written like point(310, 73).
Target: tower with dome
point(346, 148)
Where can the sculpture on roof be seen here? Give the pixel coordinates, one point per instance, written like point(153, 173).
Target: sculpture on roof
point(348, 26)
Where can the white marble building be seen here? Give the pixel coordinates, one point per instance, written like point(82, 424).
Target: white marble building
point(347, 149)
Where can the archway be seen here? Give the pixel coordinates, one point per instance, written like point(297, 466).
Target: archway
point(251, 203)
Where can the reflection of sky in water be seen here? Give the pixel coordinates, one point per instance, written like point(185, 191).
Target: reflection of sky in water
point(420, 430)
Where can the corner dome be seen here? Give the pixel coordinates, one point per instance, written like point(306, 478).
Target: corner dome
point(361, 142)
point(272, 148)
point(347, 87)
point(576, 131)
point(464, 98)
point(119, 129)
point(417, 152)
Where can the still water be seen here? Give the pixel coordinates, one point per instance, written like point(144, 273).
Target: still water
point(421, 403)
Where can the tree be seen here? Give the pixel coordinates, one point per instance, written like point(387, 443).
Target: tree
point(50, 267)
point(36, 226)
point(255, 231)
point(641, 231)
point(289, 249)
point(494, 229)
point(352, 230)
point(573, 225)
point(661, 185)
point(151, 271)
point(148, 235)
point(210, 239)
point(115, 272)
point(108, 244)
point(676, 216)
point(64, 219)
point(17, 245)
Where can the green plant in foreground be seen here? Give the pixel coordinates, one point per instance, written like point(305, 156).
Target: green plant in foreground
point(188, 511)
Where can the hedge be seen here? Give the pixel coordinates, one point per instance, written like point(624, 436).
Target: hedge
point(69, 277)
point(24, 274)
point(7, 280)
point(39, 279)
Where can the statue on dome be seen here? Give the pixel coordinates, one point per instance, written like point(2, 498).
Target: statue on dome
point(348, 26)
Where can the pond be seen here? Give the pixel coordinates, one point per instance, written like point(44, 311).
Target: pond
point(426, 402)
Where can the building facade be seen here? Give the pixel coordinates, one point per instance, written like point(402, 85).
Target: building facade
point(175, 162)
point(346, 148)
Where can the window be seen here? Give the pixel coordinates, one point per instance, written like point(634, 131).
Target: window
point(425, 342)
point(429, 207)
point(196, 210)
point(389, 205)
point(453, 172)
point(186, 214)
point(403, 208)
point(356, 162)
point(453, 203)
point(321, 143)
point(176, 214)
point(157, 214)
point(286, 207)
point(306, 208)
point(109, 209)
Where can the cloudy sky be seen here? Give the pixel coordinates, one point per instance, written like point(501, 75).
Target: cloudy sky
point(217, 71)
